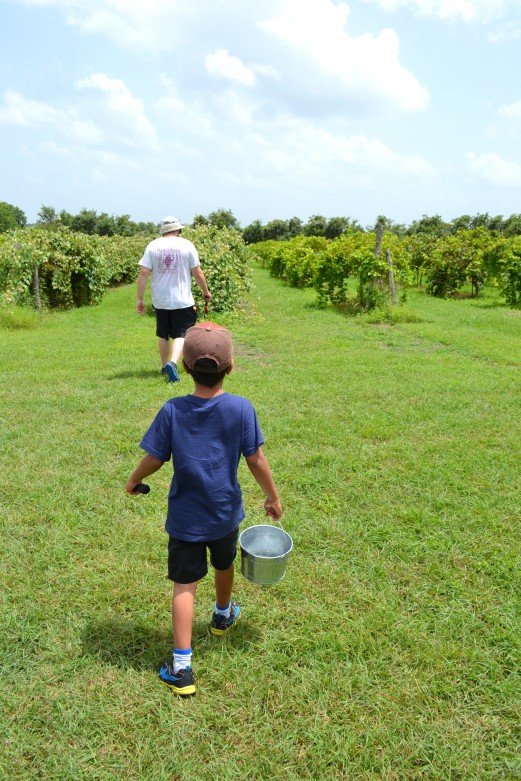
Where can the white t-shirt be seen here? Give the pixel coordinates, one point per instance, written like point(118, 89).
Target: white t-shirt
point(171, 258)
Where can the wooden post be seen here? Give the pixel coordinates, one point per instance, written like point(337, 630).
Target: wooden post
point(379, 236)
point(392, 286)
point(36, 288)
point(379, 230)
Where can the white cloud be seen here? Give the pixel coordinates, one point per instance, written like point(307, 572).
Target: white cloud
point(511, 112)
point(225, 66)
point(190, 117)
point(147, 26)
point(124, 113)
point(24, 112)
point(20, 111)
point(266, 70)
point(320, 154)
point(494, 170)
point(361, 65)
point(235, 108)
point(467, 11)
point(510, 31)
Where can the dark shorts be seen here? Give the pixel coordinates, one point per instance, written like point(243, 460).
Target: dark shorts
point(174, 323)
point(187, 561)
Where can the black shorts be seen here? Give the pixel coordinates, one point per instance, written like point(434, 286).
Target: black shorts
point(174, 323)
point(187, 561)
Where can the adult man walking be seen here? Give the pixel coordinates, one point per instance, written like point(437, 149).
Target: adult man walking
point(171, 261)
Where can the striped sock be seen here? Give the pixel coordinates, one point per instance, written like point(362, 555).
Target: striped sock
point(182, 659)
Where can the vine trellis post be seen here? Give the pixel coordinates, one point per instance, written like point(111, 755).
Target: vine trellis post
point(36, 288)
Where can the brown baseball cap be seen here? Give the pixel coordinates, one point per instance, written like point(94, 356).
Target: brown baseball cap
point(208, 340)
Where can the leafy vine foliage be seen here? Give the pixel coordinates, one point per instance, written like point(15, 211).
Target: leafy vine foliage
point(75, 269)
point(446, 263)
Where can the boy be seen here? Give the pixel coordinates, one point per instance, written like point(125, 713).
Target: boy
point(205, 433)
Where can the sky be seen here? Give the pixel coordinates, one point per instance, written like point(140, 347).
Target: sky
point(270, 108)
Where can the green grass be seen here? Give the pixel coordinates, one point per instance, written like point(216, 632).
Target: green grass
point(391, 650)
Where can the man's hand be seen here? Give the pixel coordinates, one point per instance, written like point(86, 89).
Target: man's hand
point(141, 307)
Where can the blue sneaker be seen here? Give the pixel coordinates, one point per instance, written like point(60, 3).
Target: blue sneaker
point(182, 683)
point(171, 370)
point(220, 624)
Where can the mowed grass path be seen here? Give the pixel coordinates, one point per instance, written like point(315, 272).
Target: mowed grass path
point(391, 650)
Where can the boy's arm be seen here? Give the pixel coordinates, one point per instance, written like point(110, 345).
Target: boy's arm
point(260, 469)
point(147, 466)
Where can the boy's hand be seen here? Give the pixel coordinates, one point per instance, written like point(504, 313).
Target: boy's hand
point(136, 488)
point(273, 509)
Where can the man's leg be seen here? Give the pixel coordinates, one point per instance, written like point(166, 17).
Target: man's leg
point(177, 349)
point(168, 368)
point(164, 350)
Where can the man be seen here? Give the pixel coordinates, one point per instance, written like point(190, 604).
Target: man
point(171, 262)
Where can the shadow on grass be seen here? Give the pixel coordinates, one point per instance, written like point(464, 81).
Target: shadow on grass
point(126, 643)
point(136, 374)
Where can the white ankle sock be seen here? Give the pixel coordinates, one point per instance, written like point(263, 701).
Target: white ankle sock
point(223, 611)
point(182, 659)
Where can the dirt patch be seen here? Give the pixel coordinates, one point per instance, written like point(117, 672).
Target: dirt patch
point(251, 353)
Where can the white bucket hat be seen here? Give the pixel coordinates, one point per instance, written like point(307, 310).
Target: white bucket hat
point(169, 224)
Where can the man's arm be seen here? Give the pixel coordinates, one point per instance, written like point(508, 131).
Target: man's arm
point(142, 280)
point(199, 277)
point(260, 469)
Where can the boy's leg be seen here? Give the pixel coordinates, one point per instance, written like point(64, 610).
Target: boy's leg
point(227, 610)
point(223, 586)
point(222, 557)
point(178, 676)
point(183, 599)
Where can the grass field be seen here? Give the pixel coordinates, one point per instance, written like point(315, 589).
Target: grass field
point(390, 651)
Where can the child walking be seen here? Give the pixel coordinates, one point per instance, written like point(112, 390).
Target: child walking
point(205, 434)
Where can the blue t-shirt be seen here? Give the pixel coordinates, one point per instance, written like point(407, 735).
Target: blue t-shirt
point(205, 438)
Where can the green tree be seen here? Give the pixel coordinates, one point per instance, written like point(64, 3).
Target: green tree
point(105, 225)
point(512, 225)
point(199, 219)
point(461, 223)
point(253, 233)
point(433, 226)
point(275, 230)
point(11, 217)
point(124, 225)
point(146, 227)
point(315, 226)
point(480, 221)
point(335, 227)
point(47, 216)
point(224, 218)
point(66, 219)
point(294, 227)
point(85, 222)
point(496, 224)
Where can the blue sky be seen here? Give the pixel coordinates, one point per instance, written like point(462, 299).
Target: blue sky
point(270, 108)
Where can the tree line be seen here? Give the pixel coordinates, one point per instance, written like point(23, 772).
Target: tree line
point(90, 222)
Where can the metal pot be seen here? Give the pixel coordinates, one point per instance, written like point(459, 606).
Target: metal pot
point(264, 553)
